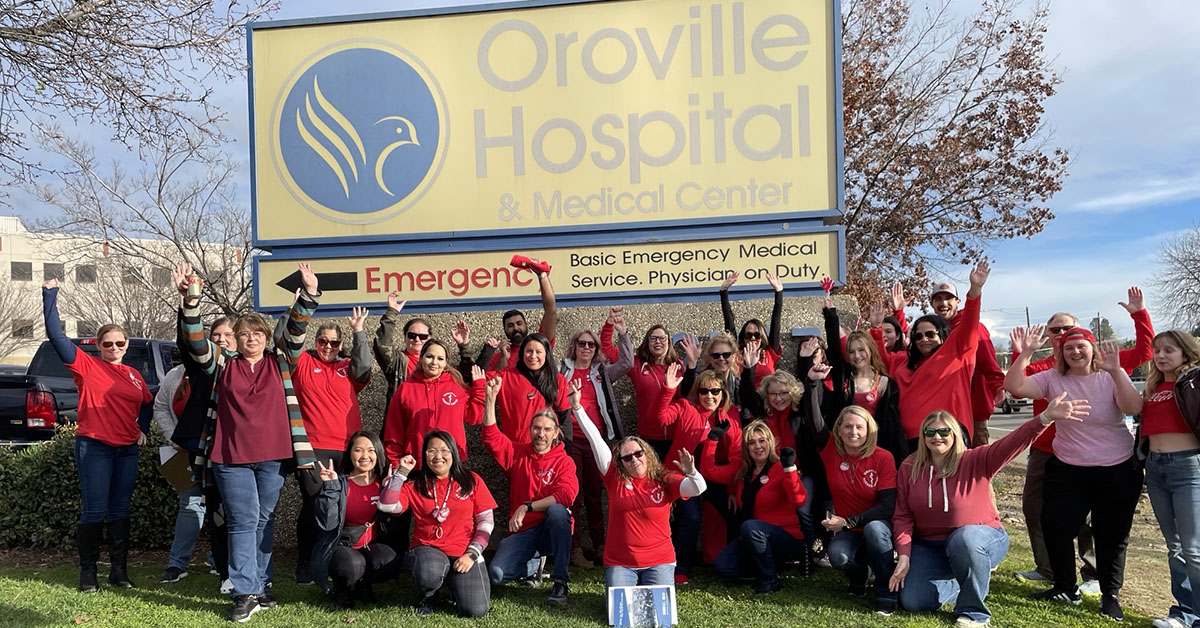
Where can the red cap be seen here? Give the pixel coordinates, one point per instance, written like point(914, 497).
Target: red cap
point(1075, 333)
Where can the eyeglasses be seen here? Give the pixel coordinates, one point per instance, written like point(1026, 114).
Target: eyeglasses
point(108, 344)
point(412, 335)
point(656, 338)
point(928, 334)
point(246, 335)
point(433, 452)
point(1060, 329)
point(629, 457)
point(940, 431)
point(782, 393)
point(724, 355)
point(752, 335)
point(585, 344)
point(325, 342)
point(716, 392)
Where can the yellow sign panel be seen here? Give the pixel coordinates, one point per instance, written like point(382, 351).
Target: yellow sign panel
point(554, 118)
point(578, 273)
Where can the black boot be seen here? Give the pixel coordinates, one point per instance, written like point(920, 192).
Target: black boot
point(118, 552)
point(88, 537)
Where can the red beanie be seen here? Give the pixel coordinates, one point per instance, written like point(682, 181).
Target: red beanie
point(1075, 333)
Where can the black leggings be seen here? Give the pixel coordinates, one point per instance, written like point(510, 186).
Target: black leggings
point(374, 562)
point(1110, 494)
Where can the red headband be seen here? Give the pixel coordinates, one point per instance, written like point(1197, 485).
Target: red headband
point(1073, 333)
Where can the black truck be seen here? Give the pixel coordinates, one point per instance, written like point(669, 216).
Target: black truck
point(33, 404)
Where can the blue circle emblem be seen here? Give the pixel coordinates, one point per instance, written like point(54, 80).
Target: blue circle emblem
point(359, 133)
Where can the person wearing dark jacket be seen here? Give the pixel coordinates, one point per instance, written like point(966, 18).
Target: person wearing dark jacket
point(346, 510)
point(398, 364)
point(753, 331)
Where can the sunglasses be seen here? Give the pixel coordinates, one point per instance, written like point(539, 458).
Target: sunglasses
point(585, 344)
point(940, 431)
point(752, 335)
point(657, 338)
point(1058, 330)
point(325, 342)
point(412, 335)
point(716, 392)
point(724, 355)
point(928, 335)
point(629, 457)
point(108, 344)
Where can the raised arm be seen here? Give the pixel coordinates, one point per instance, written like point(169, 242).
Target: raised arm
point(624, 360)
point(720, 473)
point(196, 346)
point(496, 442)
point(748, 395)
point(606, 334)
point(1004, 450)
point(1024, 345)
point(814, 417)
point(549, 323)
point(774, 339)
point(726, 308)
point(289, 337)
point(385, 337)
point(600, 448)
point(1127, 397)
point(360, 353)
point(1143, 345)
point(391, 499)
point(63, 346)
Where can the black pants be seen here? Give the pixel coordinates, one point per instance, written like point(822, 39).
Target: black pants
point(306, 524)
point(374, 562)
point(431, 569)
point(1110, 494)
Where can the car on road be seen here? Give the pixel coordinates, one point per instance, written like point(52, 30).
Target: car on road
point(1012, 404)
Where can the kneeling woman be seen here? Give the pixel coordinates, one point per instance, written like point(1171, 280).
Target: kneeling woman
point(948, 547)
point(767, 495)
point(452, 522)
point(346, 509)
point(640, 494)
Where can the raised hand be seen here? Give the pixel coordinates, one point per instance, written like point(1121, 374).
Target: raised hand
point(1110, 356)
point(461, 334)
point(1060, 408)
point(406, 464)
point(730, 279)
point(686, 462)
point(476, 373)
point(327, 473)
point(898, 300)
point(615, 312)
point(394, 302)
point(809, 347)
point(787, 457)
point(1027, 341)
point(492, 342)
point(775, 282)
point(819, 372)
point(751, 354)
point(827, 285)
point(619, 321)
point(979, 274)
point(493, 387)
point(691, 349)
point(718, 429)
point(673, 378)
point(357, 316)
point(308, 278)
point(51, 284)
point(1136, 302)
point(180, 276)
point(576, 392)
point(875, 315)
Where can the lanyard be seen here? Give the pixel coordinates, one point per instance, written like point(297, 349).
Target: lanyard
point(440, 513)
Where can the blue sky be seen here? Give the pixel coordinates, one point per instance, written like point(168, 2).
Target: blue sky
point(1128, 112)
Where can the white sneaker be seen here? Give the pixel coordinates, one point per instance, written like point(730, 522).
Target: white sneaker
point(226, 586)
point(1089, 587)
point(966, 622)
point(1169, 622)
point(1030, 576)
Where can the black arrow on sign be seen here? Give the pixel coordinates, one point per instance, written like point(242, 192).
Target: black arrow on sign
point(329, 282)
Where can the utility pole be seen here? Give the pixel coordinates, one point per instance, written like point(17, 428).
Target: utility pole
point(1027, 325)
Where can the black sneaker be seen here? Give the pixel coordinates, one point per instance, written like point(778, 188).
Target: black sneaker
point(243, 607)
point(558, 594)
point(1110, 607)
point(1058, 595)
point(173, 574)
point(764, 588)
point(303, 576)
point(885, 607)
point(425, 606)
point(265, 600)
point(857, 589)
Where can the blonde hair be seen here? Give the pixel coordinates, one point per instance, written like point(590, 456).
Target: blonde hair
point(108, 329)
point(1191, 358)
point(1060, 361)
point(786, 379)
point(705, 380)
point(735, 360)
point(760, 427)
point(923, 457)
point(872, 430)
point(875, 360)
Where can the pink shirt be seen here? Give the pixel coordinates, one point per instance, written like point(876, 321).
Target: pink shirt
point(1101, 439)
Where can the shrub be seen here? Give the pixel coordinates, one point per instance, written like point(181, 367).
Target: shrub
point(39, 490)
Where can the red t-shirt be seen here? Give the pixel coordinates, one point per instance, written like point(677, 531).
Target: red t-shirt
point(422, 406)
point(455, 511)
point(648, 382)
point(855, 482)
point(328, 399)
point(868, 400)
point(587, 399)
point(766, 365)
point(519, 401)
point(110, 398)
point(639, 519)
point(362, 505)
point(252, 415)
point(1161, 415)
point(413, 360)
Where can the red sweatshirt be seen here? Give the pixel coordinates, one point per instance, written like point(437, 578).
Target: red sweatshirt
point(933, 507)
point(532, 476)
point(1142, 351)
point(943, 380)
point(328, 399)
point(423, 405)
point(519, 401)
point(691, 427)
point(988, 378)
point(776, 503)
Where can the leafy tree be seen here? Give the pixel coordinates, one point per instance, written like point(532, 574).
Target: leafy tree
point(1101, 328)
point(945, 144)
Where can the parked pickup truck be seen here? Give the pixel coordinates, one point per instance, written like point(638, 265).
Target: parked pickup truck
point(32, 404)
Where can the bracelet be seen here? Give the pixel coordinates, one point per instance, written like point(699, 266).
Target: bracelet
point(1042, 417)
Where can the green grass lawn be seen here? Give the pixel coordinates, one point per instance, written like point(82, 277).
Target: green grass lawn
point(31, 596)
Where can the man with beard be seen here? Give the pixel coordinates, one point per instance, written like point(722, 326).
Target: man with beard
point(515, 325)
point(988, 381)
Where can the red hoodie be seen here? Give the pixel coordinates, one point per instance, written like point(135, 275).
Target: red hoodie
point(943, 380)
point(777, 500)
point(532, 476)
point(1142, 351)
point(933, 507)
point(423, 405)
point(691, 428)
point(988, 378)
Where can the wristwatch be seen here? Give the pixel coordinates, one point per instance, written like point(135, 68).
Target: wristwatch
point(529, 506)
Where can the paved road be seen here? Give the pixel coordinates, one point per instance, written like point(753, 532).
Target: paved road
point(1001, 424)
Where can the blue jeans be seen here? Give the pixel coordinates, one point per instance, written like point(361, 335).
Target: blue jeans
point(1173, 481)
point(853, 552)
point(685, 533)
point(106, 475)
point(250, 493)
point(551, 537)
point(957, 570)
point(759, 545)
point(636, 576)
point(188, 522)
